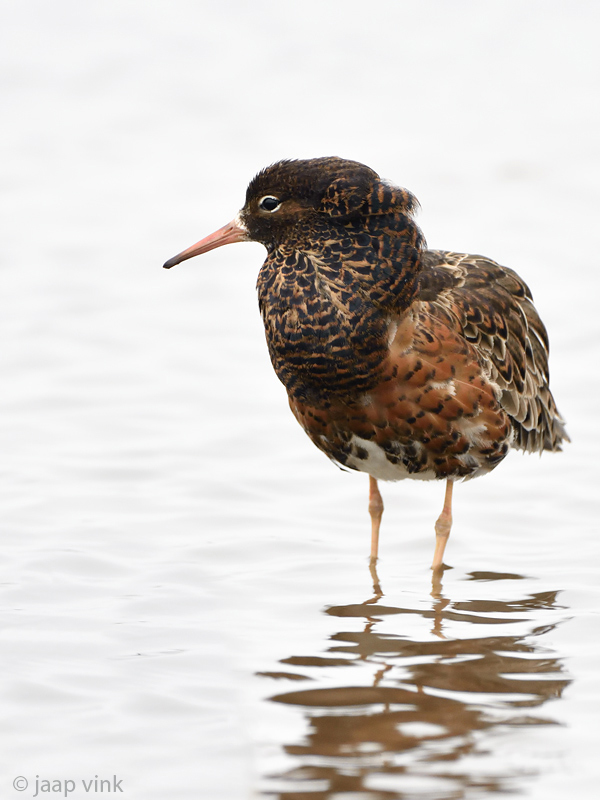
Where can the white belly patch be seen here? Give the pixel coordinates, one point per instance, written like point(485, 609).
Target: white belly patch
point(379, 466)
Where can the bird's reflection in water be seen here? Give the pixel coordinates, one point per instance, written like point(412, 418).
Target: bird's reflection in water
point(425, 710)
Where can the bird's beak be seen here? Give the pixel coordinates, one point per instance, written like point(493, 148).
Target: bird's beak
point(234, 231)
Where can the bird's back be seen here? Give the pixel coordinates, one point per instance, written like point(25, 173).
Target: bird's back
point(492, 308)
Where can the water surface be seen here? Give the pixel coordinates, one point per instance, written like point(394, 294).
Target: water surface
point(186, 598)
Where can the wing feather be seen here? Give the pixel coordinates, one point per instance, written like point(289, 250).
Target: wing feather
point(493, 309)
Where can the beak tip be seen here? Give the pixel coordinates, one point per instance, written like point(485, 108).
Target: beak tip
point(171, 262)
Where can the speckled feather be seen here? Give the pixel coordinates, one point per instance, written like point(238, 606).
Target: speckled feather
point(398, 361)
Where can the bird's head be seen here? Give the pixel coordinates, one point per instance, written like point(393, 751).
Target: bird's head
point(290, 193)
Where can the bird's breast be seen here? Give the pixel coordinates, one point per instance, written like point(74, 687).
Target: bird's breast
point(324, 335)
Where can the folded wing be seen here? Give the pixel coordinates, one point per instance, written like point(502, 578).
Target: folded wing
point(493, 310)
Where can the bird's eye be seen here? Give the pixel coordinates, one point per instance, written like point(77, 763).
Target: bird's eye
point(269, 203)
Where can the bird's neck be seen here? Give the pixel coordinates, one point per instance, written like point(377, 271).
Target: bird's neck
point(327, 298)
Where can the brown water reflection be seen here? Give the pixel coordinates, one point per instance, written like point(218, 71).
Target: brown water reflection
point(429, 709)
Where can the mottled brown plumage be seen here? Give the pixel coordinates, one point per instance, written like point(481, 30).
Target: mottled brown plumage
point(398, 361)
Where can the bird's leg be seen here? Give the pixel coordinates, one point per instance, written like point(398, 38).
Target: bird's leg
point(375, 510)
point(442, 527)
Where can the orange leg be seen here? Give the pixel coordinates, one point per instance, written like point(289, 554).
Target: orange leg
point(376, 511)
point(442, 527)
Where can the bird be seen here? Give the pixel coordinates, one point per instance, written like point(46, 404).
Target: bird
point(398, 361)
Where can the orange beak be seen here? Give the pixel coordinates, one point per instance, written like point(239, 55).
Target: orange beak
point(234, 231)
